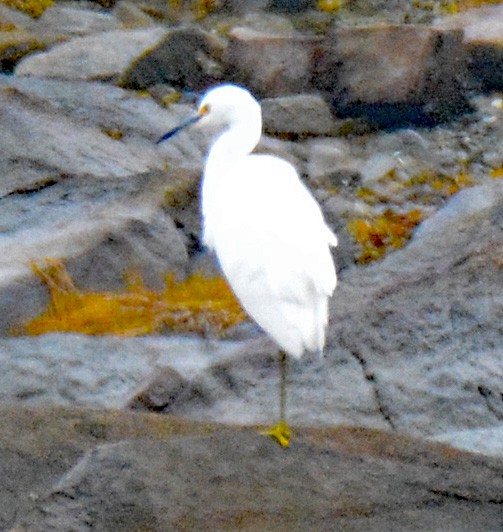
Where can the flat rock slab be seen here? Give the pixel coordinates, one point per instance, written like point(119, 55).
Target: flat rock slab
point(63, 19)
point(95, 372)
point(97, 56)
point(156, 473)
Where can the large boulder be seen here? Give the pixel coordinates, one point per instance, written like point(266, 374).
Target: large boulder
point(115, 471)
point(393, 73)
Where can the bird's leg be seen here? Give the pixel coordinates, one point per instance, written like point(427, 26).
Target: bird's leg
point(281, 432)
point(283, 369)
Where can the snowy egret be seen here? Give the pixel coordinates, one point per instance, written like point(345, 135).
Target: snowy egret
point(267, 231)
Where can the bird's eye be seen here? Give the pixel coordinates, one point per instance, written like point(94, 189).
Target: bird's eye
point(204, 110)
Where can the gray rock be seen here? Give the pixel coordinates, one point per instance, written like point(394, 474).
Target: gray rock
point(29, 130)
point(244, 390)
point(149, 244)
point(96, 372)
point(478, 25)
point(13, 16)
point(99, 56)
point(72, 192)
point(425, 322)
point(38, 445)
point(110, 108)
point(184, 59)
point(46, 213)
point(99, 228)
point(326, 156)
point(161, 393)
point(487, 441)
point(72, 21)
point(302, 114)
point(243, 480)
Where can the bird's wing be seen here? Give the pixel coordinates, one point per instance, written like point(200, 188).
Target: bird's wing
point(273, 246)
point(266, 216)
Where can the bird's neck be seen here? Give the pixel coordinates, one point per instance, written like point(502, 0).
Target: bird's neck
point(232, 144)
point(227, 150)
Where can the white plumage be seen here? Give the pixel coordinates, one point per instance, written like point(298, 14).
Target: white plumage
point(265, 227)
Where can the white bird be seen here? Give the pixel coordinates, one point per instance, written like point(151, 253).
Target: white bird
point(266, 229)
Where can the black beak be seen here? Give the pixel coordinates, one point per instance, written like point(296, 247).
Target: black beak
point(174, 131)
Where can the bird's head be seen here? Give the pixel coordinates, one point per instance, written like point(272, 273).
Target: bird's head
point(227, 106)
point(224, 107)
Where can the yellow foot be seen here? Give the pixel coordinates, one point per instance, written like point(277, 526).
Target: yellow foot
point(280, 433)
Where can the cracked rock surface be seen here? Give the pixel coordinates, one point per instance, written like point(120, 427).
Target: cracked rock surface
point(146, 472)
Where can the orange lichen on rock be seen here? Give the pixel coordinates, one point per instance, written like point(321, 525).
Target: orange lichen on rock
point(379, 234)
point(198, 304)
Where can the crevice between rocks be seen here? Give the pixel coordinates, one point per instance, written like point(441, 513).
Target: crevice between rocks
point(465, 497)
point(35, 187)
point(487, 394)
point(371, 379)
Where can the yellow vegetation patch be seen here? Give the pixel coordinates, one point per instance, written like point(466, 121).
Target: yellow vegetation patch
point(115, 134)
point(371, 196)
point(34, 8)
point(450, 7)
point(200, 8)
point(497, 173)
point(203, 8)
point(330, 6)
point(426, 187)
point(378, 234)
point(443, 184)
point(171, 98)
point(456, 6)
point(197, 304)
point(6, 26)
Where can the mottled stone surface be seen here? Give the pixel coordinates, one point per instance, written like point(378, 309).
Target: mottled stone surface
point(141, 471)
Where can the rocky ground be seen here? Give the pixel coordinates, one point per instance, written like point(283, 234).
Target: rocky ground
point(393, 114)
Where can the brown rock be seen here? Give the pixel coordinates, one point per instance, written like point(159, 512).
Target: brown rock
point(269, 64)
point(394, 65)
point(148, 472)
